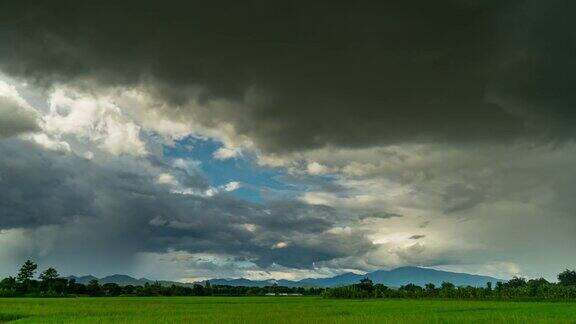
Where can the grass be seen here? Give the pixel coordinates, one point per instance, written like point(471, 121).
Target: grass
point(277, 310)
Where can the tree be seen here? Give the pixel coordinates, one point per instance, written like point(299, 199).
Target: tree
point(49, 274)
point(411, 290)
point(567, 278)
point(8, 283)
point(538, 282)
point(489, 286)
point(447, 290)
point(93, 288)
point(111, 289)
point(27, 271)
point(447, 286)
point(516, 282)
point(366, 284)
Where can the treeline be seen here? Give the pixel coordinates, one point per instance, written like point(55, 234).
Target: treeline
point(516, 288)
point(50, 284)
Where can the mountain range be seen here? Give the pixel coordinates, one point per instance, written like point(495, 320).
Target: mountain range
point(122, 280)
point(391, 278)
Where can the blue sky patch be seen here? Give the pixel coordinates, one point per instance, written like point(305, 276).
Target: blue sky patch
point(257, 183)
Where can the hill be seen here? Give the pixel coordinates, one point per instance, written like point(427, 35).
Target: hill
point(392, 278)
point(421, 276)
point(122, 280)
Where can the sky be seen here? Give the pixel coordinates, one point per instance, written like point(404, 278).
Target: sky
point(286, 140)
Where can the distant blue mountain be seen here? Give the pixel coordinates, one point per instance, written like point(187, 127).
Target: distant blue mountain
point(421, 276)
point(339, 280)
point(244, 282)
point(122, 280)
point(391, 278)
point(82, 279)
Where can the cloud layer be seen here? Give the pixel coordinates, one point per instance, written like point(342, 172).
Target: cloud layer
point(16, 116)
point(408, 133)
point(296, 75)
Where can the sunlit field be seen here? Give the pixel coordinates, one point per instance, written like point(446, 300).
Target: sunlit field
point(277, 310)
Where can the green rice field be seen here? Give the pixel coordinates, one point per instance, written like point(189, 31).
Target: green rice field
point(277, 310)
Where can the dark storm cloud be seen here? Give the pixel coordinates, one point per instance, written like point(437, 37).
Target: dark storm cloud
point(119, 208)
point(27, 183)
point(382, 215)
point(15, 119)
point(458, 197)
point(303, 75)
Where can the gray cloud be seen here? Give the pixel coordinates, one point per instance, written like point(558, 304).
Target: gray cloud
point(424, 224)
point(382, 215)
point(299, 75)
point(293, 77)
point(16, 119)
point(460, 197)
point(117, 206)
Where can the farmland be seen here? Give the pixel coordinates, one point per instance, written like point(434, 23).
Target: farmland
point(278, 310)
